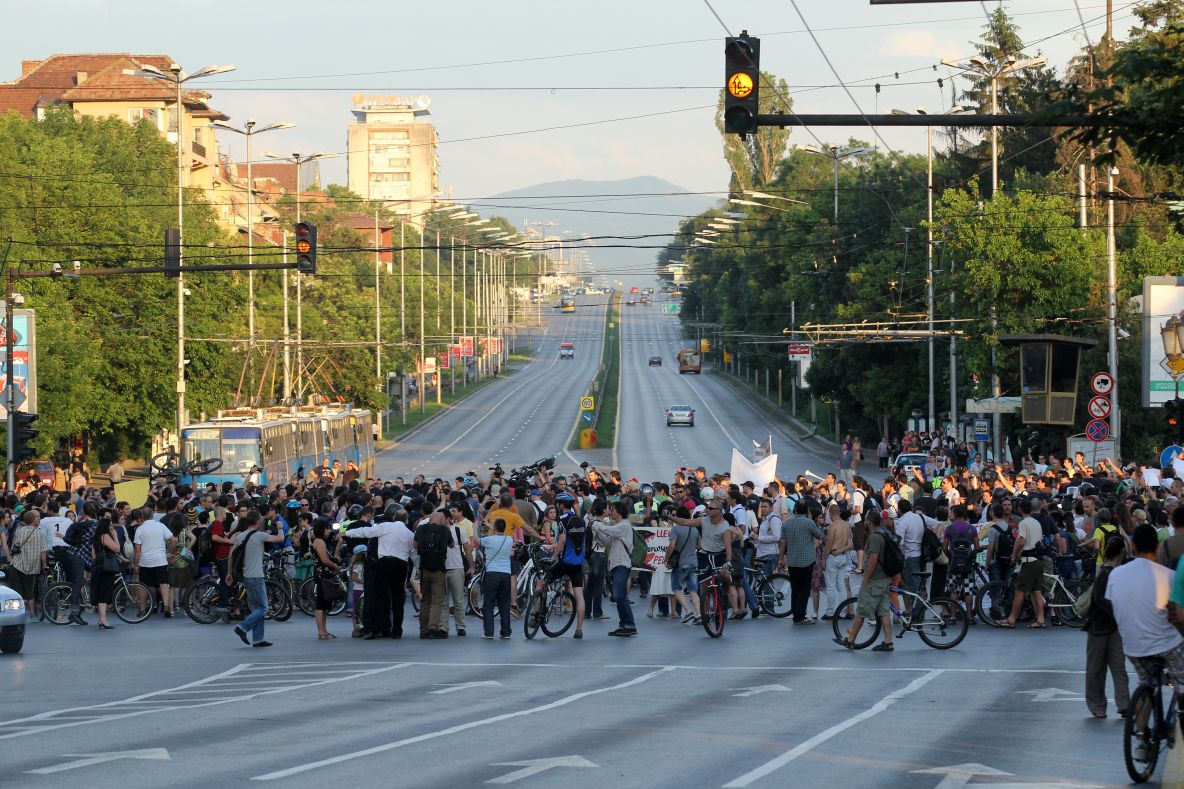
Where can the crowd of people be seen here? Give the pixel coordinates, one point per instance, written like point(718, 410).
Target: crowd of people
point(831, 535)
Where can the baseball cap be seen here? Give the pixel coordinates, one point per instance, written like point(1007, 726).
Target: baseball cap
point(535, 492)
point(708, 494)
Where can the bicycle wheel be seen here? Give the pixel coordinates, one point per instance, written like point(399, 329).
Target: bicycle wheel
point(476, 597)
point(1063, 601)
point(993, 604)
point(132, 602)
point(712, 610)
point(165, 462)
point(869, 631)
point(411, 596)
point(306, 596)
point(55, 604)
point(339, 606)
point(1140, 745)
point(279, 605)
point(534, 615)
point(207, 466)
point(775, 596)
point(560, 614)
point(942, 625)
point(201, 602)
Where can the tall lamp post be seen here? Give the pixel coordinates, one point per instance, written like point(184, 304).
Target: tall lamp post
point(249, 131)
point(838, 154)
point(178, 77)
point(1172, 336)
point(298, 159)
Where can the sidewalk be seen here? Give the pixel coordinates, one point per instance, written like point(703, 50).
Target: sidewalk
point(798, 429)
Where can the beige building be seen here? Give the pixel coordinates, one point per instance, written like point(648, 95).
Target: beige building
point(392, 153)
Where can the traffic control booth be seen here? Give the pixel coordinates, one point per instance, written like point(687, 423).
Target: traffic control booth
point(1049, 368)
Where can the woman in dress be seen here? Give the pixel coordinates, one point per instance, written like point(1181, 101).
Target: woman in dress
point(105, 562)
point(325, 571)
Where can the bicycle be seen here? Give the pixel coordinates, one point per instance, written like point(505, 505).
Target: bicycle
point(169, 467)
point(204, 605)
point(772, 592)
point(549, 604)
point(712, 605)
point(993, 603)
point(306, 595)
point(128, 597)
point(475, 587)
point(941, 623)
point(1149, 727)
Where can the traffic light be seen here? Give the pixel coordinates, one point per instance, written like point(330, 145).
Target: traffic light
point(1174, 413)
point(742, 75)
point(306, 247)
point(172, 253)
point(24, 434)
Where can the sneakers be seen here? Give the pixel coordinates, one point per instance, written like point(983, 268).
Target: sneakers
point(505, 638)
point(623, 632)
point(687, 619)
point(261, 644)
point(487, 638)
point(242, 634)
point(460, 634)
point(827, 617)
point(437, 634)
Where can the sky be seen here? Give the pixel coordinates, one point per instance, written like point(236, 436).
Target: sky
point(524, 92)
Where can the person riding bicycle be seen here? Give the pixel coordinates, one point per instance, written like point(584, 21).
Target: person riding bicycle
point(715, 535)
point(1147, 604)
point(570, 551)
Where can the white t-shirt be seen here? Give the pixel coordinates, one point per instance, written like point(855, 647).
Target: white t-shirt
point(1029, 529)
point(153, 537)
point(54, 529)
point(1139, 592)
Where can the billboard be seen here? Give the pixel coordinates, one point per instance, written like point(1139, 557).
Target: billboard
point(23, 336)
point(1163, 297)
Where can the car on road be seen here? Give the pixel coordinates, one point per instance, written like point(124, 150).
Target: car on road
point(907, 461)
point(655, 361)
point(12, 620)
point(680, 415)
point(630, 302)
point(567, 350)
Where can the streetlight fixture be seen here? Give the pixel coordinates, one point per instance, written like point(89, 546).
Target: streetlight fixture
point(764, 196)
point(249, 130)
point(739, 201)
point(838, 154)
point(1172, 336)
point(176, 76)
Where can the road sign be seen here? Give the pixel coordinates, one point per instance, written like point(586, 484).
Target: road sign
point(587, 417)
point(982, 430)
point(18, 397)
point(1169, 454)
point(1098, 430)
point(587, 403)
point(1099, 407)
point(799, 351)
point(466, 346)
point(1102, 383)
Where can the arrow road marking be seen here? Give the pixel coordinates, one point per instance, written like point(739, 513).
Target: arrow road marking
point(759, 689)
point(452, 688)
point(956, 776)
point(1041, 695)
point(88, 759)
point(535, 766)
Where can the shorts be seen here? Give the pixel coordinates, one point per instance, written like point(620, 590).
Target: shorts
point(713, 561)
point(873, 599)
point(180, 577)
point(22, 583)
point(1173, 660)
point(1031, 577)
point(685, 579)
point(572, 572)
point(154, 576)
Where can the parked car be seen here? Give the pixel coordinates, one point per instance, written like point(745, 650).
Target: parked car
point(655, 361)
point(680, 415)
point(907, 461)
point(12, 620)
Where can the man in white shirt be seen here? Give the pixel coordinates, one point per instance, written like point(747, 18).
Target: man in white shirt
point(153, 543)
point(910, 528)
point(1028, 554)
point(1139, 592)
point(390, 578)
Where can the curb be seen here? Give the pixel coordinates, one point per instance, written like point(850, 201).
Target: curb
point(767, 406)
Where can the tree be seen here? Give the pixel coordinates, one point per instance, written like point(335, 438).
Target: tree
point(754, 159)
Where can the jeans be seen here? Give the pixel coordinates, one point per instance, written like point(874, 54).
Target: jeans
point(799, 585)
point(496, 589)
point(454, 581)
point(768, 567)
point(749, 597)
point(594, 585)
point(838, 570)
point(223, 589)
point(913, 566)
point(257, 602)
point(74, 574)
point(620, 578)
point(431, 607)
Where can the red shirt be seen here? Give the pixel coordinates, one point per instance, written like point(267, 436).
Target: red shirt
point(221, 549)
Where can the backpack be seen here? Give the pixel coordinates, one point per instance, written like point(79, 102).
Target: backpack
point(892, 562)
point(76, 534)
point(238, 557)
point(570, 555)
point(962, 551)
point(204, 546)
point(1004, 544)
point(433, 550)
point(638, 551)
point(930, 545)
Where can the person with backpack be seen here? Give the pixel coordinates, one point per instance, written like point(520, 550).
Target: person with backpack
point(432, 541)
point(961, 547)
point(1000, 543)
point(571, 549)
point(246, 565)
point(617, 533)
point(883, 563)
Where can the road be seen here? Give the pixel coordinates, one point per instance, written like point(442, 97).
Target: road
point(767, 705)
point(516, 420)
point(724, 417)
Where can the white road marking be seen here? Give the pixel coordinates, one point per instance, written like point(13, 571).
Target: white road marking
point(453, 688)
point(345, 757)
point(793, 753)
point(89, 759)
point(1041, 695)
point(759, 689)
point(958, 775)
point(535, 766)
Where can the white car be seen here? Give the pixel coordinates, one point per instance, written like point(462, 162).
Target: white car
point(12, 620)
point(680, 415)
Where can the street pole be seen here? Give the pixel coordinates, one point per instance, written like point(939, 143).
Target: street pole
point(835, 153)
point(996, 417)
point(793, 366)
point(180, 276)
point(423, 379)
point(9, 379)
point(439, 377)
point(452, 312)
point(994, 137)
point(377, 308)
point(287, 394)
point(1112, 313)
point(929, 273)
point(250, 255)
point(299, 312)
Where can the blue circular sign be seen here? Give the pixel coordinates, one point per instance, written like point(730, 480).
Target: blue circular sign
point(1168, 454)
point(1097, 430)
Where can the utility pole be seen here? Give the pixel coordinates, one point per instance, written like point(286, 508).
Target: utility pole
point(1112, 312)
point(287, 332)
point(793, 366)
point(452, 311)
point(423, 376)
point(439, 375)
point(929, 274)
point(377, 309)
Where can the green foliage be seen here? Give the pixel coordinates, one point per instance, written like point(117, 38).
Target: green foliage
point(754, 159)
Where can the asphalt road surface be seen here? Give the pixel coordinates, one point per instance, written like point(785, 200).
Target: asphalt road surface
point(171, 703)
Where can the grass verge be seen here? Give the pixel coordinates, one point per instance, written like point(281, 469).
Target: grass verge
point(606, 384)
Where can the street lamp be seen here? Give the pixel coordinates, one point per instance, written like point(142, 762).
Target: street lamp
point(1172, 336)
point(249, 131)
point(838, 154)
point(176, 76)
point(297, 159)
point(764, 196)
point(739, 201)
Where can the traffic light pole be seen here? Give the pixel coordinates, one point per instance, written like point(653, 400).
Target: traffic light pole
point(9, 381)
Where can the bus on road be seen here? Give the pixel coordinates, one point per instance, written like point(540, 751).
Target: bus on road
point(567, 303)
point(688, 361)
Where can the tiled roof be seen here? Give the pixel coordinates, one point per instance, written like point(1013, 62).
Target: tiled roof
point(283, 173)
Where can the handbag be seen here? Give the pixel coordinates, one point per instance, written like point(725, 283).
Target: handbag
point(672, 557)
point(110, 564)
point(331, 592)
point(1084, 603)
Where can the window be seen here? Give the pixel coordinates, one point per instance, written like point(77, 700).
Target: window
point(150, 114)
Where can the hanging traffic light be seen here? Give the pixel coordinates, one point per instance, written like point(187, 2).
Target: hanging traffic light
point(1174, 414)
point(306, 247)
point(24, 433)
point(742, 74)
point(172, 253)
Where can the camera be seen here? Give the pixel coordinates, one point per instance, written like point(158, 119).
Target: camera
point(584, 464)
